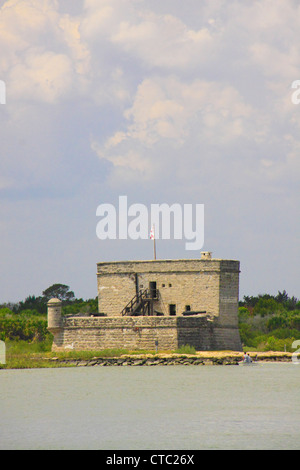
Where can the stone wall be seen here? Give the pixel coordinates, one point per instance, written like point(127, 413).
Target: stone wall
point(229, 295)
point(85, 333)
point(203, 285)
point(200, 284)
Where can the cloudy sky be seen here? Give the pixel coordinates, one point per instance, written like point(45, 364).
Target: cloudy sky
point(163, 101)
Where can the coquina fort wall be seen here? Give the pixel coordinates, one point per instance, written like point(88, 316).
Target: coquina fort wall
point(160, 304)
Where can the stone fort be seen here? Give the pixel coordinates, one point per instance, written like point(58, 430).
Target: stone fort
point(157, 304)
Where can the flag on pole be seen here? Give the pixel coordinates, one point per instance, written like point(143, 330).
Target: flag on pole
point(152, 233)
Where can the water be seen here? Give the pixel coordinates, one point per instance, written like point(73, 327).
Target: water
point(129, 408)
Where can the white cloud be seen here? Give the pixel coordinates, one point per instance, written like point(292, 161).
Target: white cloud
point(44, 57)
point(190, 98)
point(50, 56)
point(176, 113)
point(163, 41)
point(78, 50)
point(45, 77)
point(131, 27)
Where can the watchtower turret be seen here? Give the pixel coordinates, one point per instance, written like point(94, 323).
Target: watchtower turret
point(54, 315)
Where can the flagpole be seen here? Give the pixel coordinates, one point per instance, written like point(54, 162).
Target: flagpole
point(152, 236)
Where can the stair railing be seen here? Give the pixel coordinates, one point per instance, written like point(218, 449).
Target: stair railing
point(145, 295)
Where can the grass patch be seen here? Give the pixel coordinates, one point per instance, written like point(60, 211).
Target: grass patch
point(27, 355)
point(27, 348)
point(89, 354)
point(186, 349)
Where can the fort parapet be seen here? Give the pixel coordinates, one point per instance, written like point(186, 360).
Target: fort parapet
point(157, 304)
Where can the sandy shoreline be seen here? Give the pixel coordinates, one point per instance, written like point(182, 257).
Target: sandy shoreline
point(200, 358)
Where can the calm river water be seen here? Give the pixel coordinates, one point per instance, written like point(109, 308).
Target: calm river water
point(162, 407)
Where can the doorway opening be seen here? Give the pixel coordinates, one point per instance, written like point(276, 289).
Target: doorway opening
point(172, 309)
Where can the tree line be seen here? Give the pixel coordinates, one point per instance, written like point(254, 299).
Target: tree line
point(266, 322)
point(269, 322)
point(266, 302)
point(33, 305)
point(27, 320)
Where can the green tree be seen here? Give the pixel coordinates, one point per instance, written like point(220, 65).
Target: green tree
point(290, 303)
point(282, 297)
point(267, 306)
point(243, 314)
point(59, 291)
point(32, 302)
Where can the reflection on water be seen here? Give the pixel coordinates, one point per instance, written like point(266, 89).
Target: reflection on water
point(179, 407)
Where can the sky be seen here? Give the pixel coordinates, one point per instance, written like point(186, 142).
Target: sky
point(161, 101)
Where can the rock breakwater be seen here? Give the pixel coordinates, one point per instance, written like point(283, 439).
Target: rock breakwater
point(200, 359)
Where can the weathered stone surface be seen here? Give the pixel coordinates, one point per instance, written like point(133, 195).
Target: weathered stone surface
point(171, 333)
point(206, 285)
point(203, 284)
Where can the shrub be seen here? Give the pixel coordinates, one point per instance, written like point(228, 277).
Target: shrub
point(186, 349)
point(267, 306)
point(23, 329)
point(5, 312)
point(247, 334)
point(243, 314)
point(295, 321)
point(285, 333)
point(275, 344)
point(276, 322)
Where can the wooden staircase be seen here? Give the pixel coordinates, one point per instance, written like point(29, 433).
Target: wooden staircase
point(141, 303)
